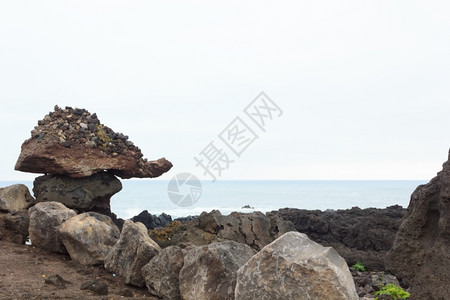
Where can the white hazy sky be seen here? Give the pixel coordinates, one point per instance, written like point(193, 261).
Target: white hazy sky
point(364, 85)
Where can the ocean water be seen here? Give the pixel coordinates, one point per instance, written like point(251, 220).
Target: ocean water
point(263, 195)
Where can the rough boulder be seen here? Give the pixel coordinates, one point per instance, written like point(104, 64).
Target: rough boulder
point(209, 272)
point(45, 219)
point(88, 237)
point(133, 250)
point(420, 256)
point(294, 267)
point(15, 197)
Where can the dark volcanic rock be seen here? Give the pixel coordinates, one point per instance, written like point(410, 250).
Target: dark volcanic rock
point(152, 221)
point(420, 256)
point(254, 229)
point(73, 142)
point(91, 193)
point(363, 235)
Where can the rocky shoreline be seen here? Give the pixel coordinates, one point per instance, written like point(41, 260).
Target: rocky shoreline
point(284, 254)
point(207, 229)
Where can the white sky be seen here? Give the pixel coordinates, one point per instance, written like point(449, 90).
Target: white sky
point(364, 85)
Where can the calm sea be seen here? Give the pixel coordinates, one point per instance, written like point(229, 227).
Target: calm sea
point(262, 195)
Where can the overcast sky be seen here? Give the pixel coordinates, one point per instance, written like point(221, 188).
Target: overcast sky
point(363, 85)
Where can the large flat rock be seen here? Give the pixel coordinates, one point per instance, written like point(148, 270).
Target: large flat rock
point(73, 142)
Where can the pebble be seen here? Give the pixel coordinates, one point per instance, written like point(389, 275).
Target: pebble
point(90, 144)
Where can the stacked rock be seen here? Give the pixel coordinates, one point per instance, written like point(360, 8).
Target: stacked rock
point(81, 158)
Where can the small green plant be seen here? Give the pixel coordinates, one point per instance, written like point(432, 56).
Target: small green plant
point(359, 267)
point(394, 291)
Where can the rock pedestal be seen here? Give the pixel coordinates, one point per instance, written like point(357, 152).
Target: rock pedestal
point(91, 193)
point(420, 256)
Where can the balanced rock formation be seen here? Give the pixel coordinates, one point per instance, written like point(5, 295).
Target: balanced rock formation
point(294, 267)
point(161, 274)
point(88, 237)
point(364, 235)
point(45, 219)
point(133, 250)
point(73, 142)
point(209, 272)
point(420, 256)
point(15, 197)
point(91, 193)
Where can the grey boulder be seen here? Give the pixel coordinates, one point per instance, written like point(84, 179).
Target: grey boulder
point(162, 272)
point(15, 197)
point(133, 250)
point(294, 267)
point(45, 219)
point(88, 237)
point(209, 272)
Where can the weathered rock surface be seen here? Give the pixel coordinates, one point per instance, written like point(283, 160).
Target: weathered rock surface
point(17, 224)
point(14, 226)
point(254, 229)
point(88, 237)
point(420, 256)
point(162, 272)
point(91, 193)
point(15, 198)
point(45, 219)
point(363, 235)
point(133, 250)
point(209, 272)
point(73, 142)
point(294, 267)
point(152, 221)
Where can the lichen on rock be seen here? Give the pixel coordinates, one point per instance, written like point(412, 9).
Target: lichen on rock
point(73, 142)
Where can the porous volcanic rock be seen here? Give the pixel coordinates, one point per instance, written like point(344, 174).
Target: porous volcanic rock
point(91, 193)
point(363, 235)
point(73, 142)
point(294, 267)
point(420, 256)
point(152, 221)
point(133, 250)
